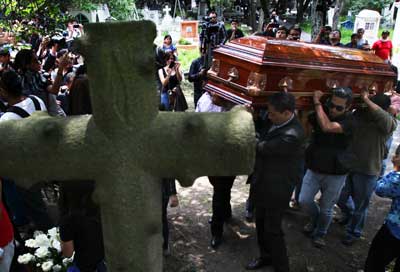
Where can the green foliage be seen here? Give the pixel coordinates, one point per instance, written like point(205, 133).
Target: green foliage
point(306, 26)
point(222, 3)
point(186, 56)
point(358, 5)
point(49, 12)
point(183, 41)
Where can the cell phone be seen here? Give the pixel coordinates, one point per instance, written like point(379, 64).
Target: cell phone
point(172, 64)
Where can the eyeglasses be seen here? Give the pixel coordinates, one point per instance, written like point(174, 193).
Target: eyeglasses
point(337, 107)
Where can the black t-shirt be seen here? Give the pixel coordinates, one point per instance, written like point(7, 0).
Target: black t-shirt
point(328, 153)
point(86, 233)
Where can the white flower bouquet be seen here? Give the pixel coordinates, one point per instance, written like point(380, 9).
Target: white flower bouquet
point(45, 253)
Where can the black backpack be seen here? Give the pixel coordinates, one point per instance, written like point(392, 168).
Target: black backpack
point(23, 113)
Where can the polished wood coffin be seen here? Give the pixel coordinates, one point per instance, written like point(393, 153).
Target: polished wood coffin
point(247, 70)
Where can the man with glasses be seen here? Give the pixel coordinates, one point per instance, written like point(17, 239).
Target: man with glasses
point(325, 171)
point(369, 128)
point(213, 33)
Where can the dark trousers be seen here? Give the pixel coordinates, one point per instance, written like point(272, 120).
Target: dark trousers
point(270, 237)
point(221, 203)
point(384, 249)
point(167, 189)
point(165, 226)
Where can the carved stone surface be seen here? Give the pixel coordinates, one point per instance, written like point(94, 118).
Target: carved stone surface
point(127, 145)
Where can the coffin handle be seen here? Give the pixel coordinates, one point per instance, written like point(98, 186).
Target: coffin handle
point(286, 84)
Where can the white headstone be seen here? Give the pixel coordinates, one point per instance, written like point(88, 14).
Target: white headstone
point(396, 43)
point(167, 9)
point(331, 13)
point(369, 20)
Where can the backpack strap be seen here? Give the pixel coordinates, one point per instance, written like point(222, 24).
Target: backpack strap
point(35, 102)
point(23, 113)
point(18, 111)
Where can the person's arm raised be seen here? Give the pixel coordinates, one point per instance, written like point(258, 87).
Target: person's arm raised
point(323, 119)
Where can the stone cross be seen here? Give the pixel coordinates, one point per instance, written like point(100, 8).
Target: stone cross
point(167, 9)
point(126, 146)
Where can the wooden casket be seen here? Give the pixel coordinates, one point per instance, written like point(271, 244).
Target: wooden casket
point(248, 69)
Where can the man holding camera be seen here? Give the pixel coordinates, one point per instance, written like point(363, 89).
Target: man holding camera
point(213, 33)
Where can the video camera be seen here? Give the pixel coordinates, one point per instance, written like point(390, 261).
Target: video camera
point(209, 28)
point(209, 39)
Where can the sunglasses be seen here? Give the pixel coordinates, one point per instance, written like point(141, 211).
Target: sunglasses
point(336, 107)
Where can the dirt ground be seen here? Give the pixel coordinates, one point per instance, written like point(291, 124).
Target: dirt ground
point(190, 233)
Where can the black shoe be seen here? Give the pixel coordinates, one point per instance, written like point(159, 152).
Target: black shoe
point(257, 264)
point(216, 241)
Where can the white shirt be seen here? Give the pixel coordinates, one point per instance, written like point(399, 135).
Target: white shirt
point(26, 105)
point(205, 104)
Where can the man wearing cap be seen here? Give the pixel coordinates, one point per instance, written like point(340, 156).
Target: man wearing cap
point(370, 128)
point(384, 48)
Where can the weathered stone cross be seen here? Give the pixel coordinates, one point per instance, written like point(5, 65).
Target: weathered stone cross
point(127, 145)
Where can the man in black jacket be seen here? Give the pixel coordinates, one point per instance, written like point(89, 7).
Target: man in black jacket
point(326, 171)
point(197, 75)
point(278, 166)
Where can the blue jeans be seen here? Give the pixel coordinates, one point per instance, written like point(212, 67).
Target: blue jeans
point(330, 187)
point(354, 201)
point(165, 101)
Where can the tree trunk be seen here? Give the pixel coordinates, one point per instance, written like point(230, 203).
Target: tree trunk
point(252, 18)
point(301, 6)
point(338, 9)
point(282, 6)
point(265, 7)
point(317, 17)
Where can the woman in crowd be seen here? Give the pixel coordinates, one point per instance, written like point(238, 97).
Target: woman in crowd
point(170, 77)
point(168, 46)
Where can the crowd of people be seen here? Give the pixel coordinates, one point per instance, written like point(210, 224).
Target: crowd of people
point(49, 77)
point(339, 156)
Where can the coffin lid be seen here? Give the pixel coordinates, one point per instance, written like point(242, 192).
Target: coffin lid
point(270, 51)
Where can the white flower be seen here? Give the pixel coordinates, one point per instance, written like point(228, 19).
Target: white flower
point(26, 258)
point(42, 252)
point(47, 266)
point(36, 233)
point(42, 240)
point(53, 232)
point(57, 268)
point(57, 245)
point(31, 243)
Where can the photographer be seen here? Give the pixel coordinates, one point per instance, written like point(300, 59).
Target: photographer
point(170, 77)
point(323, 35)
point(213, 33)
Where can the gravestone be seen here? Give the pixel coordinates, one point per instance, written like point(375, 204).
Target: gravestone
point(151, 15)
point(126, 146)
point(396, 45)
point(369, 20)
point(169, 26)
point(189, 30)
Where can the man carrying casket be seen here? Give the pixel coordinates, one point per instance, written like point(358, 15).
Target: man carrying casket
point(278, 165)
